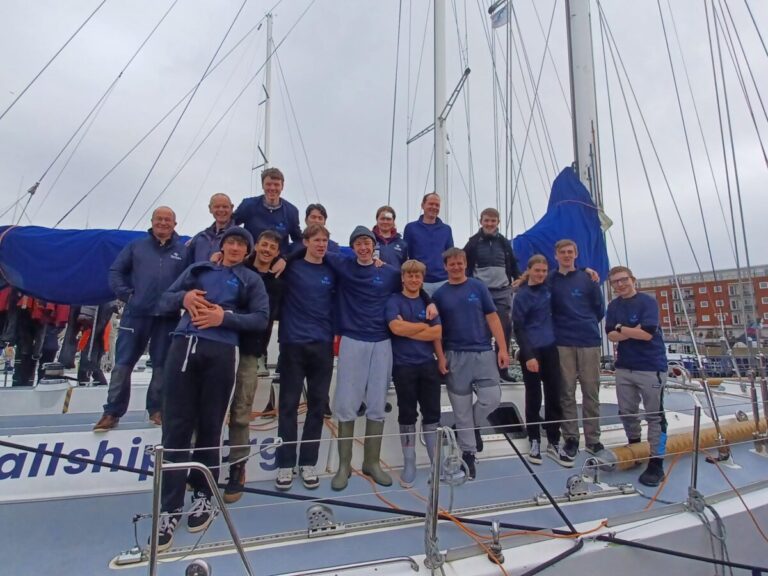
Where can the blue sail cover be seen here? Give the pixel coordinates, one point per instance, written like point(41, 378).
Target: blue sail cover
point(61, 266)
point(570, 214)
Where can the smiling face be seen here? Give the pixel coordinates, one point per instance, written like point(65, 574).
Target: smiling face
point(267, 250)
point(489, 224)
point(456, 266)
point(234, 250)
point(623, 284)
point(163, 223)
point(317, 246)
point(272, 187)
point(412, 282)
point(220, 208)
point(315, 217)
point(385, 222)
point(431, 207)
point(537, 273)
point(363, 248)
point(566, 257)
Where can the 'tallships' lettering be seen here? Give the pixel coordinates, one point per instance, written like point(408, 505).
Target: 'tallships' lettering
point(16, 465)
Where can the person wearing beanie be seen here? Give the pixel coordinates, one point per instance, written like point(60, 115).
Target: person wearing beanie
point(221, 301)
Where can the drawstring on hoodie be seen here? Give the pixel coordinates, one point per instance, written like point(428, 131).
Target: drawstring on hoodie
point(191, 349)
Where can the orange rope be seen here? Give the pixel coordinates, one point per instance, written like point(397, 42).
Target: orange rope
point(663, 483)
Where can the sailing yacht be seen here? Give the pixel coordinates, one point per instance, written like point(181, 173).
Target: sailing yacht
point(72, 501)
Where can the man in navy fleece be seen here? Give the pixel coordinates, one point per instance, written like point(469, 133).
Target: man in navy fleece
point(221, 301)
point(140, 274)
point(270, 212)
point(427, 238)
point(632, 322)
point(577, 309)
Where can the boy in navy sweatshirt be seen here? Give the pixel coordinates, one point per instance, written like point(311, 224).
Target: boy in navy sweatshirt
point(221, 301)
point(532, 320)
point(427, 238)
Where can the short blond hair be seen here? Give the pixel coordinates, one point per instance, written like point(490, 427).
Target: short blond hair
point(537, 259)
point(413, 266)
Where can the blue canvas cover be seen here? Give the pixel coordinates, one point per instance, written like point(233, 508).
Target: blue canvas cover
point(61, 266)
point(570, 214)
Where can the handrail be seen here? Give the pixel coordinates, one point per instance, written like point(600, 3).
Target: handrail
point(414, 565)
point(157, 485)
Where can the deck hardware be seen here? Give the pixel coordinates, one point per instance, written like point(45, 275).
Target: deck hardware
point(495, 553)
point(321, 522)
point(198, 568)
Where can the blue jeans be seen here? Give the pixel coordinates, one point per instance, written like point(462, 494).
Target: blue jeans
point(132, 338)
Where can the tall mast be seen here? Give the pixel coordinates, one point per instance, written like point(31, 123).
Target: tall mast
point(583, 99)
point(268, 92)
point(440, 98)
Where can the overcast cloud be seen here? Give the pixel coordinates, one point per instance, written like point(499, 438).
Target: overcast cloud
point(339, 68)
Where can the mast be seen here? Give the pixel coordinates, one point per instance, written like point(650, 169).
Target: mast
point(440, 98)
point(268, 91)
point(583, 99)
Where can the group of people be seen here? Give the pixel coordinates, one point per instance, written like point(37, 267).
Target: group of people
point(408, 308)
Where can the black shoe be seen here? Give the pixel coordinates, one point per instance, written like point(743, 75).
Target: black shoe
point(654, 473)
point(469, 460)
point(166, 528)
point(633, 441)
point(506, 376)
point(594, 448)
point(200, 514)
point(557, 453)
point(571, 447)
point(478, 440)
point(235, 484)
point(362, 409)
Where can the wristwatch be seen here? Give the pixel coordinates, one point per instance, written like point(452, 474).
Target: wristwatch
point(618, 328)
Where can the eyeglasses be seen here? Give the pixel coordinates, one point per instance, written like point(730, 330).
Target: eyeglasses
point(617, 281)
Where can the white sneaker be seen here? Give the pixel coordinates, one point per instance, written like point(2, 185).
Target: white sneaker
point(534, 454)
point(558, 454)
point(284, 479)
point(309, 477)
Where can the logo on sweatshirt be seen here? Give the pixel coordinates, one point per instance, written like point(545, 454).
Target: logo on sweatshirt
point(377, 280)
point(326, 281)
point(234, 282)
point(577, 293)
point(175, 256)
point(473, 298)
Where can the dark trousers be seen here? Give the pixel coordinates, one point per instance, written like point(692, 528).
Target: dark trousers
point(417, 384)
point(548, 376)
point(315, 363)
point(47, 355)
point(132, 338)
point(195, 400)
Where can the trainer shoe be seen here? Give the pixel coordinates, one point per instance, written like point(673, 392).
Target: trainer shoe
point(594, 448)
point(654, 473)
point(235, 483)
point(478, 440)
point(534, 454)
point(156, 418)
point(309, 477)
point(558, 454)
point(469, 460)
point(166, 528)
point(284, 479)
point(571, 447)
point(106, 423)
point(200, 514)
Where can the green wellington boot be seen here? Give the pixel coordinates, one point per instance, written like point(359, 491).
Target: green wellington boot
point(372, 452)
point(344, 442)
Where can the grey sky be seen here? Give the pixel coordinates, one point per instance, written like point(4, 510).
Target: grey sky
point(339, 65)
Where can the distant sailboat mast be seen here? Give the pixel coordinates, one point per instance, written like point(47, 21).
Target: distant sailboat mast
point(268, 92)
point(440, 98)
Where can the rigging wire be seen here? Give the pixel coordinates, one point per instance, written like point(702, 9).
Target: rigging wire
point(158, 123)
point(50, 61)
point(757, 28)
point(181, 115)
point(552, 61)
point(96, 109)
point(298, 127)
point(282, 87)
point(614, 150)
point(418, 69)
point(229, 108)
point(394, 102)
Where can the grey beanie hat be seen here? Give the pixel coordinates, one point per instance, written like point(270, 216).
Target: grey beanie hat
point(237, 231)
point(361, 231)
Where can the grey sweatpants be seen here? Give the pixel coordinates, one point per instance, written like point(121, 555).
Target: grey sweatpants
point(472, 372)
point(631, 387)
point(582, 364)
point(363, 373)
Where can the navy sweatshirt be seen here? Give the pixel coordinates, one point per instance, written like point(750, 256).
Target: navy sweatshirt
point(577, 308)
point(143, 270)
point(426, 243)
point(205, 243)
point(239, 291)
point(256, 216)
point(532, 319)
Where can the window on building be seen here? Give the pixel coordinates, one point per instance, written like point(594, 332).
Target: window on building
point(764, 299)
point(705, 318)
point(719, 289)
point(719, 303)
point(704, 304)
point(763, 285)
point(665, 306)
point(735, 304)
point(765, 315)
point(665, 320)
point(720, 317)
point(677, 308)
point(664, 292)
point(735, 319)
point(702, 289)
point(733, 290)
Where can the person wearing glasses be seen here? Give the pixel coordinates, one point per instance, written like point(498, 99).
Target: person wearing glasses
point(632, 322)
